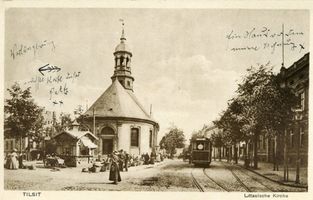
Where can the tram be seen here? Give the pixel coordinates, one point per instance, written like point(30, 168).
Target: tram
point(201, 151)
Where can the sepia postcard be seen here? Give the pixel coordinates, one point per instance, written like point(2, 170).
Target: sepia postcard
point(129, 99)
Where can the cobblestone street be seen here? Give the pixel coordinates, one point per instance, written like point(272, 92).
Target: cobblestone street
point(170, 175)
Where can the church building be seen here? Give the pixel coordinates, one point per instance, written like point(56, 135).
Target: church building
point(116, 117)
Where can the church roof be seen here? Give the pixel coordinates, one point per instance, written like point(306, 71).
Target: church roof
point(118, 102)
point(122, 47)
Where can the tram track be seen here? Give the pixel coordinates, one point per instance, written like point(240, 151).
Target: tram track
point(237, 178)
point(256, 180)
point(253, 178)
point(215, 182)
point(196, 183)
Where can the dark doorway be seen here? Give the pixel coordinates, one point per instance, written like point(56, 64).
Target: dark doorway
point(107, 146)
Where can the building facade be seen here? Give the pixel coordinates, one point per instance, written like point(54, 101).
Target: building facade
point(295, 77)
point(116, 117)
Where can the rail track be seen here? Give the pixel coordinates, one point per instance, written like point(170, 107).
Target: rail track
point(237, 178)
point(223, 187)
point(196, 183)
point(215, 182)
point(253, 178)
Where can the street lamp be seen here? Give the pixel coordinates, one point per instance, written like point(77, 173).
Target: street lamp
point(298, 118)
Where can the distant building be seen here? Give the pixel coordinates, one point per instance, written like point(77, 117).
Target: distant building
point(209, 131)
point(28, 145)
point(116, 117)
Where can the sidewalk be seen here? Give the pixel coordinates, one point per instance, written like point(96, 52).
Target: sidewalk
point(266, 170)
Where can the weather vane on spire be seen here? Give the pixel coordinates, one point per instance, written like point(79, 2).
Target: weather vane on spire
point(123, 34)
point(122, 20)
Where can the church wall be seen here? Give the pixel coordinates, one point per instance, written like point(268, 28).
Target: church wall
point(144, 134)
point(123, 139)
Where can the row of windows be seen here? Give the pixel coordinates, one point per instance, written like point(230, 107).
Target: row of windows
point(134, 135)
point(292, 139)
point(122, 61)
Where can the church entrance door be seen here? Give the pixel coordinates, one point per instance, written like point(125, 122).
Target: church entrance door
point(107, 146)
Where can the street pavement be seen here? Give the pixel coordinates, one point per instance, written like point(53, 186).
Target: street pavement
point(170, 175)
point(266, 170)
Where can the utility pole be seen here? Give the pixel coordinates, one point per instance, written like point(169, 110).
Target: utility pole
point(282, 46)
point(298, 117)
point(94, 120)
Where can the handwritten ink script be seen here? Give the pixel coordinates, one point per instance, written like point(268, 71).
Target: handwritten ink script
point(257, 39)
point(57, 85)
point(49, 68)
point(19, 50)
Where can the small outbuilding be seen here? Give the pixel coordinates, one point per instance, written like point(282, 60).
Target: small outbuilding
point(75, 147)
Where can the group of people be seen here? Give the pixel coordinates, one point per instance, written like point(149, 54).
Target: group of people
point(14, 160)
point(120, 160)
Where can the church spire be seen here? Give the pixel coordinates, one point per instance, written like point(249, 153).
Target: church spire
point(122, 57)
point(123, 38)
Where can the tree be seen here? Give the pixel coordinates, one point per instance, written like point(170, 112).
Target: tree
point(196, 134)
point(24, 116)
point(65, 123)
point(231, 123)
point(175, 138)
point(265, 105)
point(217, 140)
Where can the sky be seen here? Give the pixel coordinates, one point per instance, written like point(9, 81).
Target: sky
point(186, 62)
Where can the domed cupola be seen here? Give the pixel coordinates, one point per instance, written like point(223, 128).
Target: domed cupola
point(122, 69)
point(122, 46)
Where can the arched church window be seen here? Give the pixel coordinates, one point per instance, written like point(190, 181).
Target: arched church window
point(122, 60)
point(118, 62)
point(134, 137)
point(107, 131)
point(127, 60)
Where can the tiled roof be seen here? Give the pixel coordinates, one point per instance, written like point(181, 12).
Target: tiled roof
point(118, 102)
point(77, 134)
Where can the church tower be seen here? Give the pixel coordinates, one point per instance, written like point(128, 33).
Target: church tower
point(117, 118)
point(122, 69)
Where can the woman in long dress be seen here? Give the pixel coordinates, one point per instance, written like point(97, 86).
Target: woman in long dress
point(115, 175)
point(12, 161)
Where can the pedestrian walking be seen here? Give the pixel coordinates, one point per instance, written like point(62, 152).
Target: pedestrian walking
point(121, 160)
point(115, 175)
point(20, 161)
point(126, 160)
point(152, 157)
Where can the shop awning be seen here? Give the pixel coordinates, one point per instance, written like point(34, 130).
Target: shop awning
point(88, 143)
